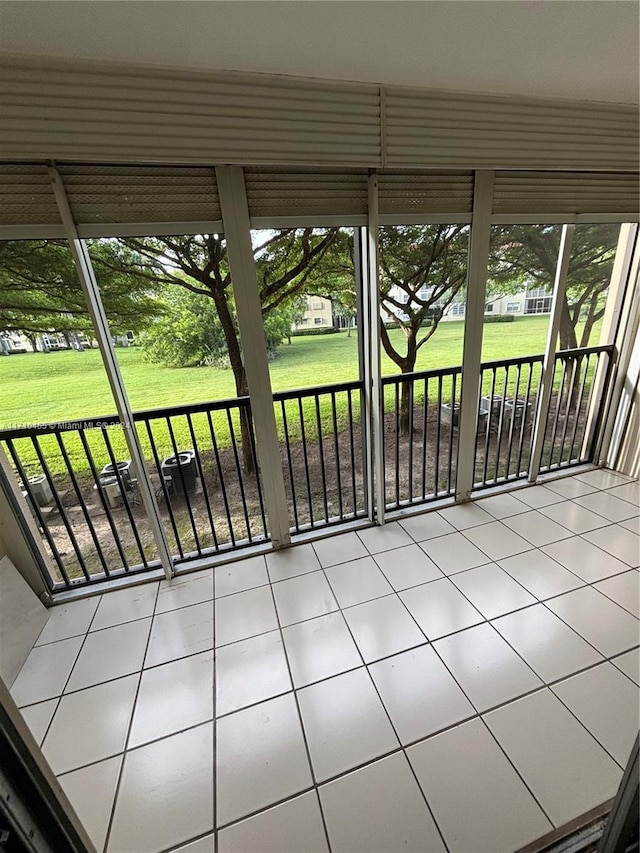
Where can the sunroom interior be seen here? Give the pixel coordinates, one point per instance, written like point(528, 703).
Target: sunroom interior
point(397, 611)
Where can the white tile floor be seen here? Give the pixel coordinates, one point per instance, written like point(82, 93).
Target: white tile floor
point(463, 680)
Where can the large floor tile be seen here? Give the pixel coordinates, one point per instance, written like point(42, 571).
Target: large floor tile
point(261, 758)
point(574, 517)
point(607, 704)
point(479, 801)
point(600, 478)
point(202, 845)
point(90, 725)
point(291, 562)
point(45, 671)
point(345, 723)
point(561, 763)
point(622, 543)
point(244, 615)
point(383, 627)
point(241, 575)
point(184, 590)
point(466, 515)
point(632, 524)
point(339, 549)
point(407, 567)
point(627, 492)
point(598, 619)
point(379, 808)
point(629, 663)
point(584, 559)
point(454, 553)
point(570, 487)
point(320, 648)
point(485, 666)
point(419, 693)
point(604, 503)
point(537, 528)
point(38, 717)
point(250, 671)
point(538, 496)
point(548, 645)
point(166, 793)
point(439, 608)
point(109, 654)
point(624, 589)
point(303, 598)
point(377, 539)
point(291, 827)
point(172, 697)
point(502, 506)
point(68, 620)
point(492, 591)
point(125, 605)
point(91, 791)
point(178, 633)
point(426, 526)
point(540, 575)
point(497, 541)
point(358, 581)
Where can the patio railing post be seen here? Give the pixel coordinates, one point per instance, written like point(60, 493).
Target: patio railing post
point(100, 322)
point(548, 367)
point(479, 241)
point(237, 229)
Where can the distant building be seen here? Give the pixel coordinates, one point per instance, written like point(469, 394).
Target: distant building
point(318, 312)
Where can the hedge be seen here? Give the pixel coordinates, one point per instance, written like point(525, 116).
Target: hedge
point(499, 318)
point(320, 330)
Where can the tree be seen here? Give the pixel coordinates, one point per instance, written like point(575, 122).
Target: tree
point(523, 255)
point(422, 270)
point(198, 264)
point(40, 292)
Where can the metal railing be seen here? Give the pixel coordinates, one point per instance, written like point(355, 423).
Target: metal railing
point(581, 380)
point(506, 416)
point(201, 461)
point(421, 412)
point(322, 450)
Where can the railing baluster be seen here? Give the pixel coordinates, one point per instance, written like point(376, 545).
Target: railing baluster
point(306, 460)
point(103, 500)
point(411, 404)
point(287, 444)
point(203, 482)
point(337, 450)
point(576, 419)
point(256, 468)
point(58, 502)
point(568, 407)
point(81, 501)
point(163, 486)
point(321, 452)
point(557, 413)
point(353, 452)
point(592, 386)
point(436, 490)
point(186, 494)
point(397, 444)
point(488, 431)
point(36, 508)
point(503, 410)
point(123, 492)
point(514, 417)
point(453, 408)
point(425, 433)
point(223, 489)
point(234, 445)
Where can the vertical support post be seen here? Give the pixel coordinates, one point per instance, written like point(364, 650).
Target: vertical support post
point(548, 366)
point(364, 361)
point(610, 323)
point(479, 241)
point(98, 316)
point(237, 229)
point(377, 404)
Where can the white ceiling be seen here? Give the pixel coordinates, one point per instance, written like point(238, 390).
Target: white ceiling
point(578, 49)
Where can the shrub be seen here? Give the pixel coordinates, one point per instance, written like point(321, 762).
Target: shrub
point(499, 318)
point(320, 330)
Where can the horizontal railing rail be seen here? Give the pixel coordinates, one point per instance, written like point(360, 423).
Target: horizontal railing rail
point(581, 381)
point(509, 390)
point(322, 450)
point(421, 411)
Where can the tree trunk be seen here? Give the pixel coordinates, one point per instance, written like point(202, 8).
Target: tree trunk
point(239, 375)
point(567, 329)
point(407, 365)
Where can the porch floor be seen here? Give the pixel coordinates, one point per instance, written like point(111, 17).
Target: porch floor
point(465, 679)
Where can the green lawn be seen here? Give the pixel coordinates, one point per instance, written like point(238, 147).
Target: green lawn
point(42, 388)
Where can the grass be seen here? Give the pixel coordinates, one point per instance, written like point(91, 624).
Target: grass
point(43, 388)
